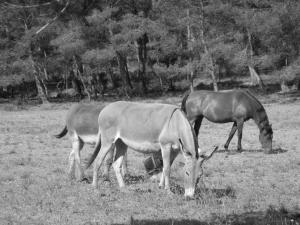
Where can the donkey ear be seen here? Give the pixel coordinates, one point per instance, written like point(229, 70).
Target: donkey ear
point(270, 125)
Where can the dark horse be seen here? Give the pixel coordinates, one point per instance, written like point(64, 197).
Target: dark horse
point(235, 106)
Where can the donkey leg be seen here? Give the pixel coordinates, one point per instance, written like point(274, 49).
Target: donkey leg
point(240, 125)
point(165, 178)
point(74, 159)
point(121, 150)
point(102, 153)
point(77, 148)
point(71, 170)
point(107, 164)
point(124, 165)
point(231, 134)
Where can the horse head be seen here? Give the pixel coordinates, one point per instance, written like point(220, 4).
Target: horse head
point(266, 137)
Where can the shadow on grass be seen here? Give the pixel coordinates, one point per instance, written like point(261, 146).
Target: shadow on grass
point(234, 152)
point(271, 217)
point(129, 179)
point(206, 193)
point(134, 179)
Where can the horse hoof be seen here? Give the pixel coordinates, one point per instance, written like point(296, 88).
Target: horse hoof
point(230, 153)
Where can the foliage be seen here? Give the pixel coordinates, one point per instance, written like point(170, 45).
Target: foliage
point(236, 34)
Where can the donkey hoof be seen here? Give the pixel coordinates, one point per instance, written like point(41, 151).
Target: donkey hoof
point(189, 198)
point(106, 181)
point(125, 190)
point(85, 180)
point(169, 192)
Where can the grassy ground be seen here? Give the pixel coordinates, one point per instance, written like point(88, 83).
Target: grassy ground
point(236, 189)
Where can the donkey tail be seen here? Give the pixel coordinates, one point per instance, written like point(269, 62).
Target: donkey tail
point(183, 102)
point(62, 133)
point(94, 155)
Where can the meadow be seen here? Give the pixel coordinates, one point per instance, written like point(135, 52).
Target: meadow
point(243, 188)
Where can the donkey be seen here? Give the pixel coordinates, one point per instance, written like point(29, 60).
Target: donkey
point(82, 127)
point(146, 128)
point(235, 106)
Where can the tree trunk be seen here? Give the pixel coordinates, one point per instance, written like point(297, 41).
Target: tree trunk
point(110, 72)
point(43, 85)
point(141, 45)
point(41, 94)
point(79, 70)
point(191, 40)
point(206, 51)
point(150, 66)
point(44, 66)
point(124, 73)
point(122, 61)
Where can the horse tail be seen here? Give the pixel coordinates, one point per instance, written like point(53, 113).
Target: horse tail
point(95, 153)
point(183, 102)
point(62, 133)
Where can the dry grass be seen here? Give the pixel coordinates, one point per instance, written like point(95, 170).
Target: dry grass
point(34, 188)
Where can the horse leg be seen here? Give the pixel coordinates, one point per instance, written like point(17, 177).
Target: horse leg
point(232, 132)
point(165, 177)
point(105, 148)
point(197, 125)
point(240, 125)
point(121, 150)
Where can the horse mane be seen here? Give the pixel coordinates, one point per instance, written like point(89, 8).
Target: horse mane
point(258, 103)
point(183, 102)
point(260, 108)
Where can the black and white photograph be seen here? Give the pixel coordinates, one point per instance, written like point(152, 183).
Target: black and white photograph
point(149, 112)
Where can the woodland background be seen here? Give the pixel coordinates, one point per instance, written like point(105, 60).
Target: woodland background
point(93, 48)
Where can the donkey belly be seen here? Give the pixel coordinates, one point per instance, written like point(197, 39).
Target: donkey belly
point(89, 138)
point(142, 146)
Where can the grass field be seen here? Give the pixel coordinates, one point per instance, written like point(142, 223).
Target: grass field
point(236, 189)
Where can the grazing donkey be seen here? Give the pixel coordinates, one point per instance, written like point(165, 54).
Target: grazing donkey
point(82, 127)
point(235, 106)
point(146, 128)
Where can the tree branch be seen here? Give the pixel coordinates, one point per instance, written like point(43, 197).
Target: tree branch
point(26, 6)
point(55, 18)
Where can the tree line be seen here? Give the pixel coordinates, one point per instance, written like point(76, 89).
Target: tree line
point(133, 47)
